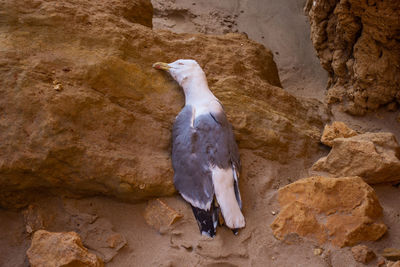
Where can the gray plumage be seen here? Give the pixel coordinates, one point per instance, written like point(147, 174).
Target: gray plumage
point(194, 149)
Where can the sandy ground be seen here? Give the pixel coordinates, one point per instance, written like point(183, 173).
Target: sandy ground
point(281, 26)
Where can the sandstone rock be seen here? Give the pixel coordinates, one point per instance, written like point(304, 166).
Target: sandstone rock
point(357, 43)
point(392, 254)
point(343, 211)
point(373, 156)
point(108, 130)
point(335, 130)
point(159, 215)
point(362, 253)
point(60, 249)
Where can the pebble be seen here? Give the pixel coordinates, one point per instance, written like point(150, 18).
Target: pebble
point(318, 251)
point(58, 87)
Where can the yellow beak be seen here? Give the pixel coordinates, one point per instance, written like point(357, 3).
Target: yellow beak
point(161, 66)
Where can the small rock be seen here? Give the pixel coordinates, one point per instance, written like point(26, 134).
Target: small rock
point(392, 254)
point(318, 251)
point(58, 87)
point(362, 253)
point(273, 212)
point(335, 130)
point(60, 249)
point(159, 215)
point(371, 156)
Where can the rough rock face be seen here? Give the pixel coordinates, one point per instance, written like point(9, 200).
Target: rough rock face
point(83, 111)
point(343, 210)
point(60, 249)
point(358, 44)
point(336, 130)
point(373, 156)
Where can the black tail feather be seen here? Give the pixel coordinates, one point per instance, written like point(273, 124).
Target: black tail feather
point(207, 220)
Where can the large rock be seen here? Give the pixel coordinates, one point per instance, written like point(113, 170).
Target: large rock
point(373, 156)
point(60, 249)
point(343, 211)
point(84, 112)
point(357, 43)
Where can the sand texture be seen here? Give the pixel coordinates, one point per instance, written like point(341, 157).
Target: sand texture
point(85, 135)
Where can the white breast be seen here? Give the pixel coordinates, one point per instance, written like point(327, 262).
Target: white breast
point(201, 108)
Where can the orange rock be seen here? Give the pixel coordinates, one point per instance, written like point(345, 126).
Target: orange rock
point(159, 215)
point(372, 156)
point(343, 211)
point(60, 249)
point(335, 130)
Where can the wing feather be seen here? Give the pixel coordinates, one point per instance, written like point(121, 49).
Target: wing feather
point(198, 146)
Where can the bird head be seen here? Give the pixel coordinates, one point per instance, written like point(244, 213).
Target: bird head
point(182, 70)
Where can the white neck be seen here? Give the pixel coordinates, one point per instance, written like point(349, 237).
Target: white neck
point(196, 91)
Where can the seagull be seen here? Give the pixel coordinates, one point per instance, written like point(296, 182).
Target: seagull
point(205, 155)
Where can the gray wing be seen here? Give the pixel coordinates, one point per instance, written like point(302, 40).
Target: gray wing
point(232, 153)
point(194, 149)
point(192, 177)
